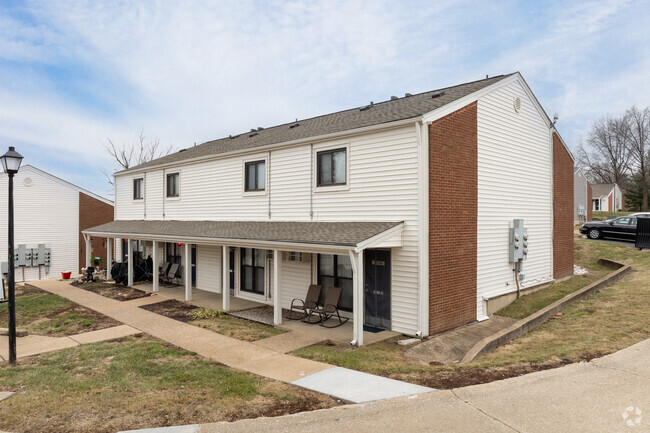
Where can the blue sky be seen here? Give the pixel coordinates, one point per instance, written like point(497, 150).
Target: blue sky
point(74, 74)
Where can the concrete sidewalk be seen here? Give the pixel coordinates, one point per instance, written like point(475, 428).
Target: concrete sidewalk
point(610, 394)
point(235, 353)
point(37, 344)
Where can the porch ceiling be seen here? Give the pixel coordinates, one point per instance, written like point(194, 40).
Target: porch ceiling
point(344, 235)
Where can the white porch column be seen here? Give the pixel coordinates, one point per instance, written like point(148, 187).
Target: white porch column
point(154, 270)
point(129, 246)
point(277, 290)
point(109, 258)
point(188, 273)
point(357, 297)
point(118, 243)
point(225, 283)
point(87, 238)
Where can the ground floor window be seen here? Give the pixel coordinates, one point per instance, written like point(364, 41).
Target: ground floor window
point(336, 271)
point(173, 252)
point(252, 270)
point(596, 204)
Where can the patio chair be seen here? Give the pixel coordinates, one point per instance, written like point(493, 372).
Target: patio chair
point(172, 273)
point(300, 308)
point(329, 309)
point(163, 271)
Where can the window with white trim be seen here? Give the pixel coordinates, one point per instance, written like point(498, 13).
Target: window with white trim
point(332, 167)
point(173, 184)
point(255, 176)
point(137, 188)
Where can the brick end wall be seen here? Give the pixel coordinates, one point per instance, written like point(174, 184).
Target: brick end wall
point(92, 212)
point(453, 199)
point(562, 210)
point(590, 204)
point(610, 203)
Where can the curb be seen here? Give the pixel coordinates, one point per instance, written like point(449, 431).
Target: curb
point(531, 322)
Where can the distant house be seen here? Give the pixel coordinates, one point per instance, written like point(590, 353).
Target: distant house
point(607, 197)
point(582, 197)
point(50, 212)
point(406, 205)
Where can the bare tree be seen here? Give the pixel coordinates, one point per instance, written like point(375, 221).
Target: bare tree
point(128, 155)
point(638, 124)
point(607, 157)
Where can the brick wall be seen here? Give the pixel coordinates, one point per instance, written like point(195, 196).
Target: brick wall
point(453, 198)
point(610, 203)
point(590, 204)
point(92, 212)
point(562, 210)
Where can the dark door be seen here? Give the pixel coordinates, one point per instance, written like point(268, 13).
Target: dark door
point(125, 250)
point(231, 271)
point(377, 288)
point(193, 265)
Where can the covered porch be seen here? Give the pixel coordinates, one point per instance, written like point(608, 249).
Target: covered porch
point(243, 264)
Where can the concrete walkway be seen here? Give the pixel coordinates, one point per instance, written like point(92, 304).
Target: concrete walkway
point(37, 344)
point(235, 353)
point(610, 394)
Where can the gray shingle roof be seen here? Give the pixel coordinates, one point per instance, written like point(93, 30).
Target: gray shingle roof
point(382, 112)
point(601, 189)
point(309, 232)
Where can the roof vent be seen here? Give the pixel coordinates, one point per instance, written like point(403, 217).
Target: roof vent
point(294, 125)
point(252, 134)
point(517, 104)
point(182, 150)
point(28, 181)
point(232, 137)
point(437, 94)
point(259, 128)
point(367, 107)
point(406, 95)
point(253, 129)
point(394, 98)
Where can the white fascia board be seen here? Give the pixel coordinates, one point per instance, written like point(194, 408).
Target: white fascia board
point(245, 243)
point(275, 146)
point(65, 183)
point(379, 240)
point(438, 113)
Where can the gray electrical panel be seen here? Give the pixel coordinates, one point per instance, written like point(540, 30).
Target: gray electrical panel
point(21, 260)
point(4, 268)
point(39, 258)
point(518, 245)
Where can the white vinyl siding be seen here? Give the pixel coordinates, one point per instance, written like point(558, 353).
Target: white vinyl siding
point(125, 207)
point(514, 181)
point(382, 186)
point(47, 212)
point(208, 268)
point(154, 190)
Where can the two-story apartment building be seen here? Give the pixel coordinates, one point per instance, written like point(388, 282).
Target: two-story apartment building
point(405, 204)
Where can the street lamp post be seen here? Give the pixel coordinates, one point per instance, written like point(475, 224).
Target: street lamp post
point(10, 164)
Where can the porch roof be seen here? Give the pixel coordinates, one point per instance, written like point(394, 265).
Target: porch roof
point(341, 235)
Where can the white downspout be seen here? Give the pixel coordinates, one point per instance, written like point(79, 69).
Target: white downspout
point(422, 132)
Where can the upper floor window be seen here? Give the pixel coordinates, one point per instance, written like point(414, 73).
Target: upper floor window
point(173, 184)
point(137, 189)
point(255, 176)
point(332, 167)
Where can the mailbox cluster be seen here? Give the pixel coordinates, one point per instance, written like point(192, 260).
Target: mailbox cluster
point(30, 257)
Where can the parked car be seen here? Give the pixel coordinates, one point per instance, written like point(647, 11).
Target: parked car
point(623, 228)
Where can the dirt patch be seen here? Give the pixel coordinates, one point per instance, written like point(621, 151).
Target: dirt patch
point(28, 289)
point(271, 406)
point(467, 376)
point(173, 309)
point(111, 290)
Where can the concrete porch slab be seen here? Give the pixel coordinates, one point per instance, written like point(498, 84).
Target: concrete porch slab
point(357, 387)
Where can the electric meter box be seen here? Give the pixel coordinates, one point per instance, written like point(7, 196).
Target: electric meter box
point(518, 245)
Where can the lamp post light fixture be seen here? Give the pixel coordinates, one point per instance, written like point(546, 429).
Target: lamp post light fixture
point(10, 164)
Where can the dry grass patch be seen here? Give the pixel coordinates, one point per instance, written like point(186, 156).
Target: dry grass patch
point(111, 290)
point(610, 320)
point(213, 320)
point(137, 383)
point(44, 313)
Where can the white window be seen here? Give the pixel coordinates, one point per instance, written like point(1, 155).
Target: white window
point(332, 167)
point(137, 189)
point(173, 184)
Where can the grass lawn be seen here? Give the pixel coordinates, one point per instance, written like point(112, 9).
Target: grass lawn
point(43, 313)
point(137, 383)
point(213, 320)
point(612, 319)
point(602, 215)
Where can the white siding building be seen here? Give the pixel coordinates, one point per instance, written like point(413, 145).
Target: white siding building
point(345, 200)
point(47, 212)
